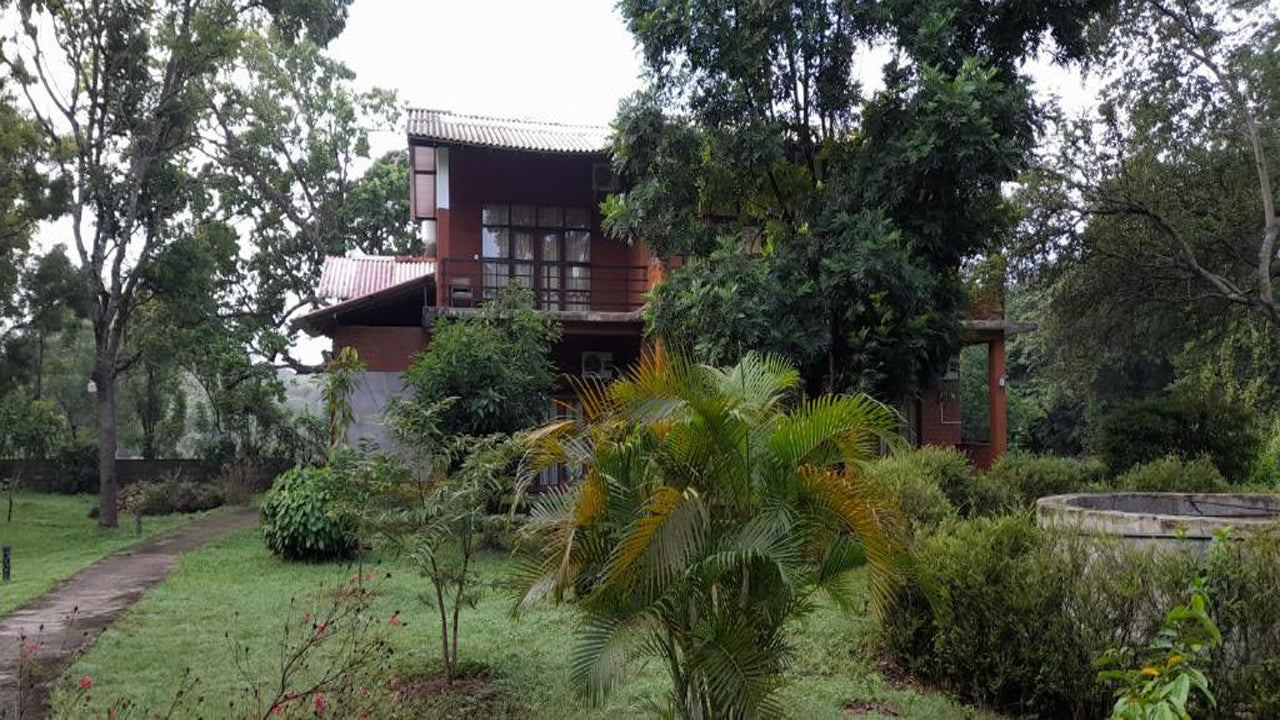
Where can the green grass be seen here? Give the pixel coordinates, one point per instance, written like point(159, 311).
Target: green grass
point(236, 586)
point(53, 537)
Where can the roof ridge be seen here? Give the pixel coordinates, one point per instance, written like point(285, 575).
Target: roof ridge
point(527, 121)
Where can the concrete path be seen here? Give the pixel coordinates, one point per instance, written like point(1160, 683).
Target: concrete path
point(68, 619)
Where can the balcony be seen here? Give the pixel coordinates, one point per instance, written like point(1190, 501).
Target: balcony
point(586, 291)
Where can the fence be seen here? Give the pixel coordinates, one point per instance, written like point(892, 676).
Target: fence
point(49, 475)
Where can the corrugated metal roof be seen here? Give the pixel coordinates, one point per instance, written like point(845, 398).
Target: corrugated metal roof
point(447, 127)
point(344, 278)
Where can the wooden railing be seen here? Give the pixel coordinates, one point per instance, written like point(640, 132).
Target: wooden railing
point(585, 287)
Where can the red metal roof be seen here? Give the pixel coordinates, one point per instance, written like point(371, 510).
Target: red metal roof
point(344, 278)
point(447, 127)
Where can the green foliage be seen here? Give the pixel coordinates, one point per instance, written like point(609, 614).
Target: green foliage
point(29, 429)
point(301, 517)
point(77, 463)
point(909, 478)
point(497, 364)
point(340, 379)
point(965, 491)
point(1182, 424)
point(1173, 474)
point(1242, 575)
point(754, 155)
point(714, 503)
point(1029, 477)
point(1021, 613)
point(1168, 677)
point(173, 495)
point(430, 501)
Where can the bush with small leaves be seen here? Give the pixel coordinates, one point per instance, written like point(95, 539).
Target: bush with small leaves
point(300, 518)
point(1173, 474)
point(1029, 477)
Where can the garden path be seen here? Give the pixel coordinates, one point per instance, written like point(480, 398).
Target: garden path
point(69, 618)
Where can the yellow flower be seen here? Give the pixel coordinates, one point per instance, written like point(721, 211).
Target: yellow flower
point(1175, 659)
point(1149, 671)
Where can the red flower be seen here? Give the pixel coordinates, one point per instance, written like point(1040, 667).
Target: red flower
point(320, 704)
point(29, 650)
point(277, 709)
point(321, 628)
point(86, 682)
point(395, 619)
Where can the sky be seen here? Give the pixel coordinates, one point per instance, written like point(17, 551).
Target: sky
point(558, 60)
point(567, 60)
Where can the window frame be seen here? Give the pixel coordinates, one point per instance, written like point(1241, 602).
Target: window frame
point(560, 297)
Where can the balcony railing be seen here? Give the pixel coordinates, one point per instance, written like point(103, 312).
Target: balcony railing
point(568, 287)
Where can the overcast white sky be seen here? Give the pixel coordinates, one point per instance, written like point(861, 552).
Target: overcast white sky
point(565, 60)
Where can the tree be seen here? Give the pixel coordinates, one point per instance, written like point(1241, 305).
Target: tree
point(28, 429)
point(26, 197)
point(430, 501)
point(497, 364)
point(289, 144)
point(755, 157)
point(715, 504)
point(1167, 196)
point(124, 87)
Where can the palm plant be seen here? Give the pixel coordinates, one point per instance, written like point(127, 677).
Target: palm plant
point(714, 506)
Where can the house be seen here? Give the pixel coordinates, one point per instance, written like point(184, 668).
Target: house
point(504, 202)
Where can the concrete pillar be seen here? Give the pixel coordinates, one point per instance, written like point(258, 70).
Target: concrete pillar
point(997, 409)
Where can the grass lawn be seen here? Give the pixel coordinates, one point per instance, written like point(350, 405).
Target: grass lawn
point(53, 537)
point(236, 586)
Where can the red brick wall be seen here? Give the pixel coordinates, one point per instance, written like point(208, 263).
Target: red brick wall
point(939, 418)
point(383, 349)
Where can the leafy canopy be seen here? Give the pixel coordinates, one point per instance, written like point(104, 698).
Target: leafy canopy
point(497, 364)
point(755, 156)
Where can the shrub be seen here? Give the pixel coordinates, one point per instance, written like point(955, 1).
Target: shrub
point(497, 365)
point(946, 469)
point(170, 496)
point(77, 463)
point(299, 521)
point(916, 479)
point(1186, 425)
point(1028, 477)
point(1173, 474)
point(1020, 613)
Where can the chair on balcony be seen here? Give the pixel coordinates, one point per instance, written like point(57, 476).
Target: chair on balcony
point(460, 294)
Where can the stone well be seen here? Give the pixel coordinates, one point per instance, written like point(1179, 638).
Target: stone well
point(1158, 519)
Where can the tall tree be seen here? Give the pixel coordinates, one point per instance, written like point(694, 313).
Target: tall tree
point(291, 143)
point(755, 155)
point(1166, 197)
point(124, 87)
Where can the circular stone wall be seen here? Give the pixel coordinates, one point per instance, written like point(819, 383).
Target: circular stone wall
point(1161, 519)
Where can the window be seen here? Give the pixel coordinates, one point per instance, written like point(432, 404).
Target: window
point(544, 248)
point(423, 190)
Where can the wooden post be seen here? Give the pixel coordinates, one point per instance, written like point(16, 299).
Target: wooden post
point(997, 409)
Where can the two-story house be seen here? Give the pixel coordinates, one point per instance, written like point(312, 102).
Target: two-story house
point(515, 202)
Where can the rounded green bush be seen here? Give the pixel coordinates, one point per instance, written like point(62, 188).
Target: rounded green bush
point(919, 472)
point(1173, 474)
point(1186, 425)
point(299, 521)
point(1028, 477)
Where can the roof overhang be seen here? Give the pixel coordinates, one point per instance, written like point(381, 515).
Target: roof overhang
point(322, 320)
point(976, 331)
point(442, 127)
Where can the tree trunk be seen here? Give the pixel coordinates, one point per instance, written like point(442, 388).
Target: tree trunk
point(104, 377)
